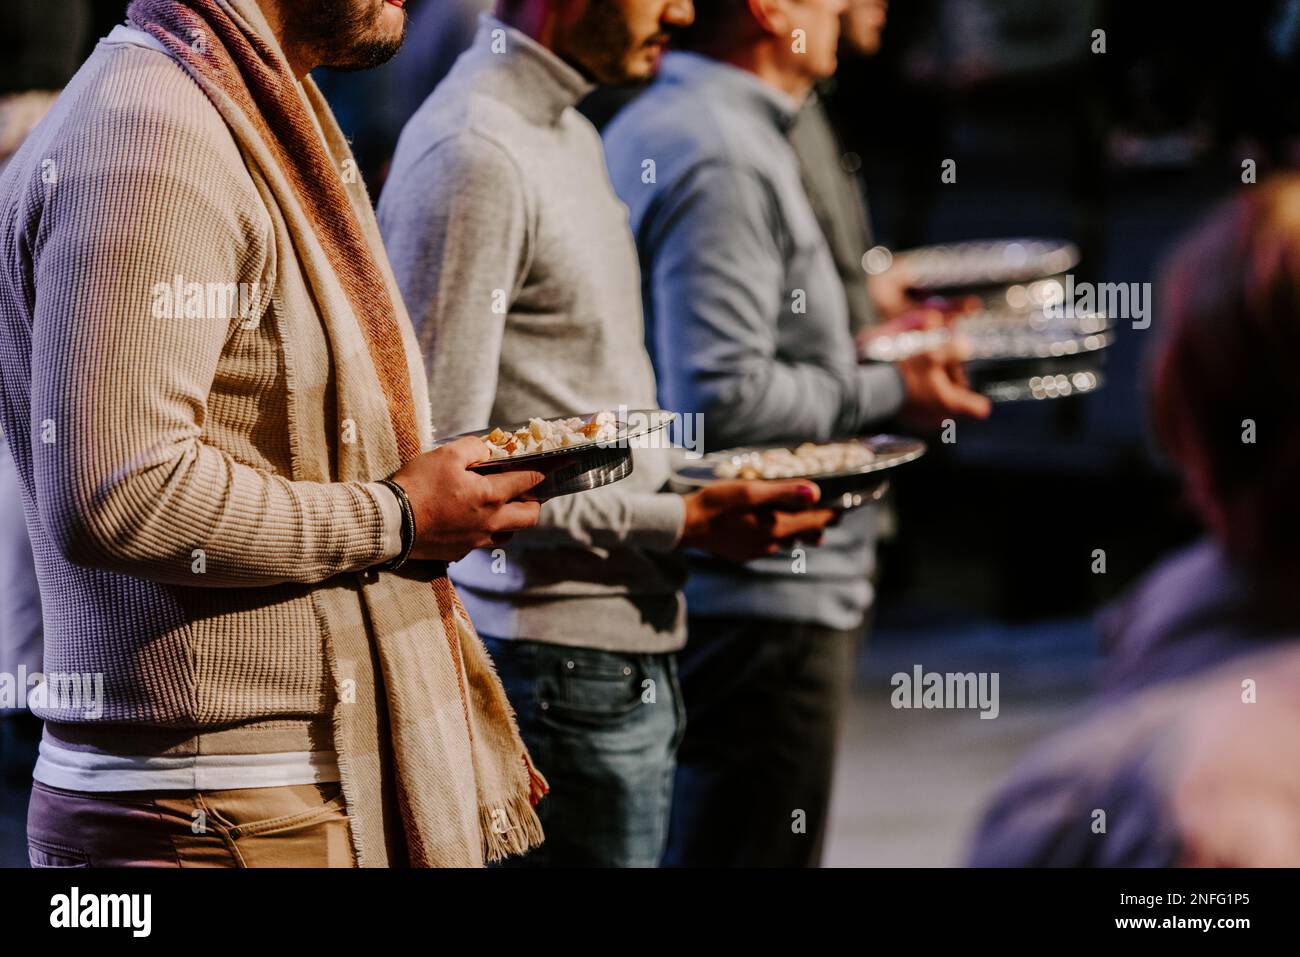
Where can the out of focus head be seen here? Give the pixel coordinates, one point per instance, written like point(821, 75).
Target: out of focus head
point(1227, 372)
point(613, 41)
point(1235, 781)
point(861, 26)
point(342, 34)
point(797, 37)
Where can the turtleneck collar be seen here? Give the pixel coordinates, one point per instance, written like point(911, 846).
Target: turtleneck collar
point(538, 82)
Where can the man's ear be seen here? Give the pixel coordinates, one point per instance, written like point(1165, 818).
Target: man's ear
point(771, 16)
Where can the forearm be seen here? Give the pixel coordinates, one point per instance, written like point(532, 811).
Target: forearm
point(610, 517)
point(880, 394)
point(197, 517)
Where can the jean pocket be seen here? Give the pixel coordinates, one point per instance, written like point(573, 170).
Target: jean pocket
point(47, 854)
point(591, 689)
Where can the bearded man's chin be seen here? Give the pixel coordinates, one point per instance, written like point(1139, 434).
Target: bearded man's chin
point(382, 39)
point(367, 56)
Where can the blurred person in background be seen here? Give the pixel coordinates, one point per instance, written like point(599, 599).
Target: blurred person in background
point(41, 45)
point(21, 647)
point(748, 326)
point(1224, 395)
point(1201, 771)
point(514, 257)
point(835, 191)
point(878, 303)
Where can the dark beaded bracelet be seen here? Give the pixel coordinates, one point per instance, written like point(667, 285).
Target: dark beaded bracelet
point(408, 528)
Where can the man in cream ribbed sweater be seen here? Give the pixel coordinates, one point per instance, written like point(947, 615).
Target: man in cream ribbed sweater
point(189, 398)
point(515, 258)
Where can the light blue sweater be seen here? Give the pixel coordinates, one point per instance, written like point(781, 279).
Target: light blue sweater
point(746, 318)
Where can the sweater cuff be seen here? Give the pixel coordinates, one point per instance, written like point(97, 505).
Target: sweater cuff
point(660, 521)
point(392, 510)
point(880, 392)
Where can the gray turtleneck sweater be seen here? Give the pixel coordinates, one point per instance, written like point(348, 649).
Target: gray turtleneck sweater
point(520, 274)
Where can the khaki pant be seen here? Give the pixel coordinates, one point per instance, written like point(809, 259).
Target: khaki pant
point(301, 825)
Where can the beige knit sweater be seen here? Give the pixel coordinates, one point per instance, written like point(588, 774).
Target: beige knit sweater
point(155, 433)
point(198, 480)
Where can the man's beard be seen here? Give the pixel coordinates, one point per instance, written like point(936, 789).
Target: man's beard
point(347, 35)
point(603, 34)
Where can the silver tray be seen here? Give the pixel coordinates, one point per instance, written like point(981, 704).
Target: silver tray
point(578, 468)
point(841, 490)
point(951, 267)
point(1014, 357)
point(1056, 383)
point(1000, 336)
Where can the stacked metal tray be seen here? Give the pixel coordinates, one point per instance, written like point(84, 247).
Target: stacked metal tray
point(1024, 343)
point(955, 268)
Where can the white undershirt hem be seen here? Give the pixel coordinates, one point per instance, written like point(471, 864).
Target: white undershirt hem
point(60, 767)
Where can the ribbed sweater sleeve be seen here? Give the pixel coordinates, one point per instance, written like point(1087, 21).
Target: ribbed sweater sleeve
point(124, 477)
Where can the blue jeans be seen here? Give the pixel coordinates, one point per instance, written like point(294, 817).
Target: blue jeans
point(604, 728)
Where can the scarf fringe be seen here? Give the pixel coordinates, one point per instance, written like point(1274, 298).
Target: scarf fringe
point(521, 833)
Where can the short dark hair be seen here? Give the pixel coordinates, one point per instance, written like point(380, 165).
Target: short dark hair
point(1229, 358)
